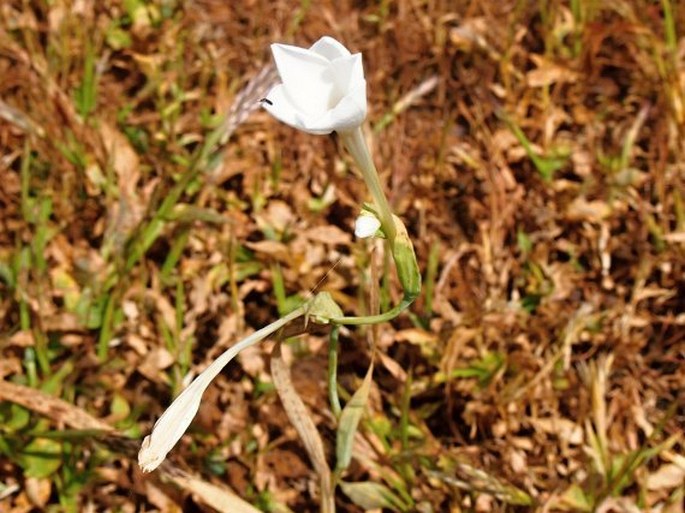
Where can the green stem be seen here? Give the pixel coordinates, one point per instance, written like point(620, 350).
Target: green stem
point(153, 229)
point(333, 371)
point(404, 418)
point(105, 335)
point(356, 144)
point(375, 319)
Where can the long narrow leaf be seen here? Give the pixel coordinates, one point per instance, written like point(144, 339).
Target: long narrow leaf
point(304, 425)
point(368, 495)
point(349, 421)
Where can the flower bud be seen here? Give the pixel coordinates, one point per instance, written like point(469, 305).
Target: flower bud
point(366, 225)
point(405, 261)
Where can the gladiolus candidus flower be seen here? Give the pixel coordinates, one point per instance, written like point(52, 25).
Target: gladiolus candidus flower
point(323, 88)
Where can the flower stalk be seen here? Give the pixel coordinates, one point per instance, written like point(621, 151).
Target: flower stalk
point(355, 143)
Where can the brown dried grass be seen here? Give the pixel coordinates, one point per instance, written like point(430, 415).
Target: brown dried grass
point(552, 357)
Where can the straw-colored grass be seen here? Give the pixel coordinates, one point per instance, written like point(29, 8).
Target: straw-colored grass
point(151, 215)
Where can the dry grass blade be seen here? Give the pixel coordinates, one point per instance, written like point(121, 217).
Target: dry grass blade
point(373, 496)
point(408, 100)
point(247, 100)
point(466, 477)
point(595, 376)
point(218, 498)
point(299, 416)
point(19, 119)
point(61, 412)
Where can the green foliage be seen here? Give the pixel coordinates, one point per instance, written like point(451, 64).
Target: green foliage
point(349, 421)
point(85, 95)
point(546, 165)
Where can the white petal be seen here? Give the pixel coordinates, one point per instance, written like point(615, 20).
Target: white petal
point(366, 225)
point(330, 48)
point(349, 71)
point(306, 76)
point(348, 114)
point(278, 104)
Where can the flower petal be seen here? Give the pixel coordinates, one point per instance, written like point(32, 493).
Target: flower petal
point(306, 76)
point(348, 114)
point(366, 225)
point(278, 104)
point(330, 48)
point(348, 72)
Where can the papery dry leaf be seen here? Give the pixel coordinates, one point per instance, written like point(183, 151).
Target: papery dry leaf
point(518, 461)
point(19, 119)
point(394, 368)
point(130, 310)
point(301, 418)
point(220, 499)
point(564, 279)
point(677, 237)
point(164, 307)
point(160, 499)
point(63, 321)
point(549, 73)
point(416, 336)
point(270, 247)
point(583, 210)
point(9, 366)
point(278, 216)
point(582, 162)
point(22, 338)
point(565, 429)
point(137, 343)
point(617, 505)
point(667, 476)
point(124, 159)
point(252, 361)
point(653, 292)
point(38, 491)
point(52, 407)
point(328, 234)
point(154, 363)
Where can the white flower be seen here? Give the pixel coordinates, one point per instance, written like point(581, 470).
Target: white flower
point(323, 88)
point(366, 225)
